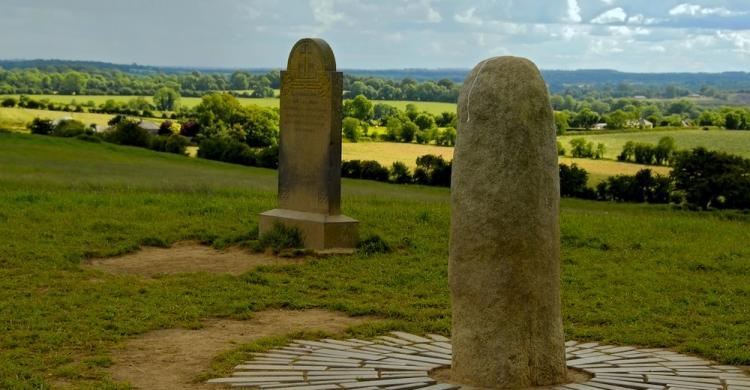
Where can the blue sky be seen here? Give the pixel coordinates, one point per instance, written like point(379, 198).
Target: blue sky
point(628, 35)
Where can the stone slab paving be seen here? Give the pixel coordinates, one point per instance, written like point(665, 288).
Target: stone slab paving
point(403, 361)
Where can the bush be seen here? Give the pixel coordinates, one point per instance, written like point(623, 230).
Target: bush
point(40, 126)
point(372, 170)
point(642, 187)
point(127, 132)
point(373, 244)
point(9, 102)
point(69, 128)
point(711, 179)
point(350, 128)
point(368, 170)
point(432, 170)
point(174, 143)
point(446, 137)
point(400, 173)
point(560, 149)
point(267, 157)
point(573, 182)
point(581, 148)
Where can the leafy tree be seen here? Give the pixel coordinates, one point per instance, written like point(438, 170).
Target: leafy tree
point(239, 81)
point(383, 111)
point(408, 131)
point(350, 128)
point(166, 99)
point(712, 179)
point(581, 148)
point(393, 129)
point(710, 118)
point(561, 122)
point(664, 150)
point(617, 119)
point(586, 118)
point(446, 137)
point(425, 121)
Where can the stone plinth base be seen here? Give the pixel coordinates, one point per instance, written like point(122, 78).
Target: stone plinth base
point(320, 232)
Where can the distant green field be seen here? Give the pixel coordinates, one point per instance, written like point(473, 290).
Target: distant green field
point(17, 118)
point(632, 274)
point(735, 142)
point(431, 107)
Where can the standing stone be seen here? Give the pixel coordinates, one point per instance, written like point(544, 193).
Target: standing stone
point(504, 241)
point(309, 192)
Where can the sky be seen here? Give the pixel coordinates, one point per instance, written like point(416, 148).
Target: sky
point(626, 35)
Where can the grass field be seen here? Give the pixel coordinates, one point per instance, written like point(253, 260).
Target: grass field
point(735, 142)
point(17, 118)
point(632, 274)
point(431, 107)
point(389, 152)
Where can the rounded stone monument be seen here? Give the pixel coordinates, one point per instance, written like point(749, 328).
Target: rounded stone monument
point(504, 240)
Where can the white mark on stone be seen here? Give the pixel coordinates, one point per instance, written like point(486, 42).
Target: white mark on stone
point(468, 98)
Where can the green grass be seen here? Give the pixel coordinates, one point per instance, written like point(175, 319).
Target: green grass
point(632, 274)
point(735, 142)
point(17, 118)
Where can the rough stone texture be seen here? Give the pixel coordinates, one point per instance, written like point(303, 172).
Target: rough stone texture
point(504, 264)
point(310, 150)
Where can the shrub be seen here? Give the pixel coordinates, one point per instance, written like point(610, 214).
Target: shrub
point(560, 149)
point(350, 128)
point(642, 187)
point(352, 169)
point(573, 182)
point(372, 170)
point(432, 170)
point(69, 128)
point(408, 131)
point(581, 148)
point(40, 126)
point(712, 179)
point(400, 173)
point(373, 244)
point(9, 102)
point(446, 137)
point(127, 132)
point(267, 157)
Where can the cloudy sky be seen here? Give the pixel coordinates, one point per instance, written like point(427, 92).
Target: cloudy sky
point(628, 35)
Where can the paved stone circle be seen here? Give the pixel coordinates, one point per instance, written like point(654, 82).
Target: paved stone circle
point(403, 361)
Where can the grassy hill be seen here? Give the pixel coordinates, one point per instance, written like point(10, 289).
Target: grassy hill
point(632, 274)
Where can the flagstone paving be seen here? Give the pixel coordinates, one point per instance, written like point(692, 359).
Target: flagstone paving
point(404, 361)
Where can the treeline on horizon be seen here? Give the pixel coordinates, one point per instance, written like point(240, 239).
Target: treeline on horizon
point(442, 85)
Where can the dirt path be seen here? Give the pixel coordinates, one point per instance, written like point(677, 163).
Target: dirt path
point(184, 257)
point(170, 359)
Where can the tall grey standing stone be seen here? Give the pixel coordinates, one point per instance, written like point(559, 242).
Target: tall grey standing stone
point(504, 264)
point(309, 193)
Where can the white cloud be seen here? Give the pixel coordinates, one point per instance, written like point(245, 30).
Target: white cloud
point(421, 11)
point(687, 9)
point(740, 39)
point(573, 12)
point(626, 31)
point(640, 19)
point(324, 14)
point(615, 15)
point(468, 17)
point(608, 2)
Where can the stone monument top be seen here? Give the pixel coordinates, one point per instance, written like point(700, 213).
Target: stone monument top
point(309, 192)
